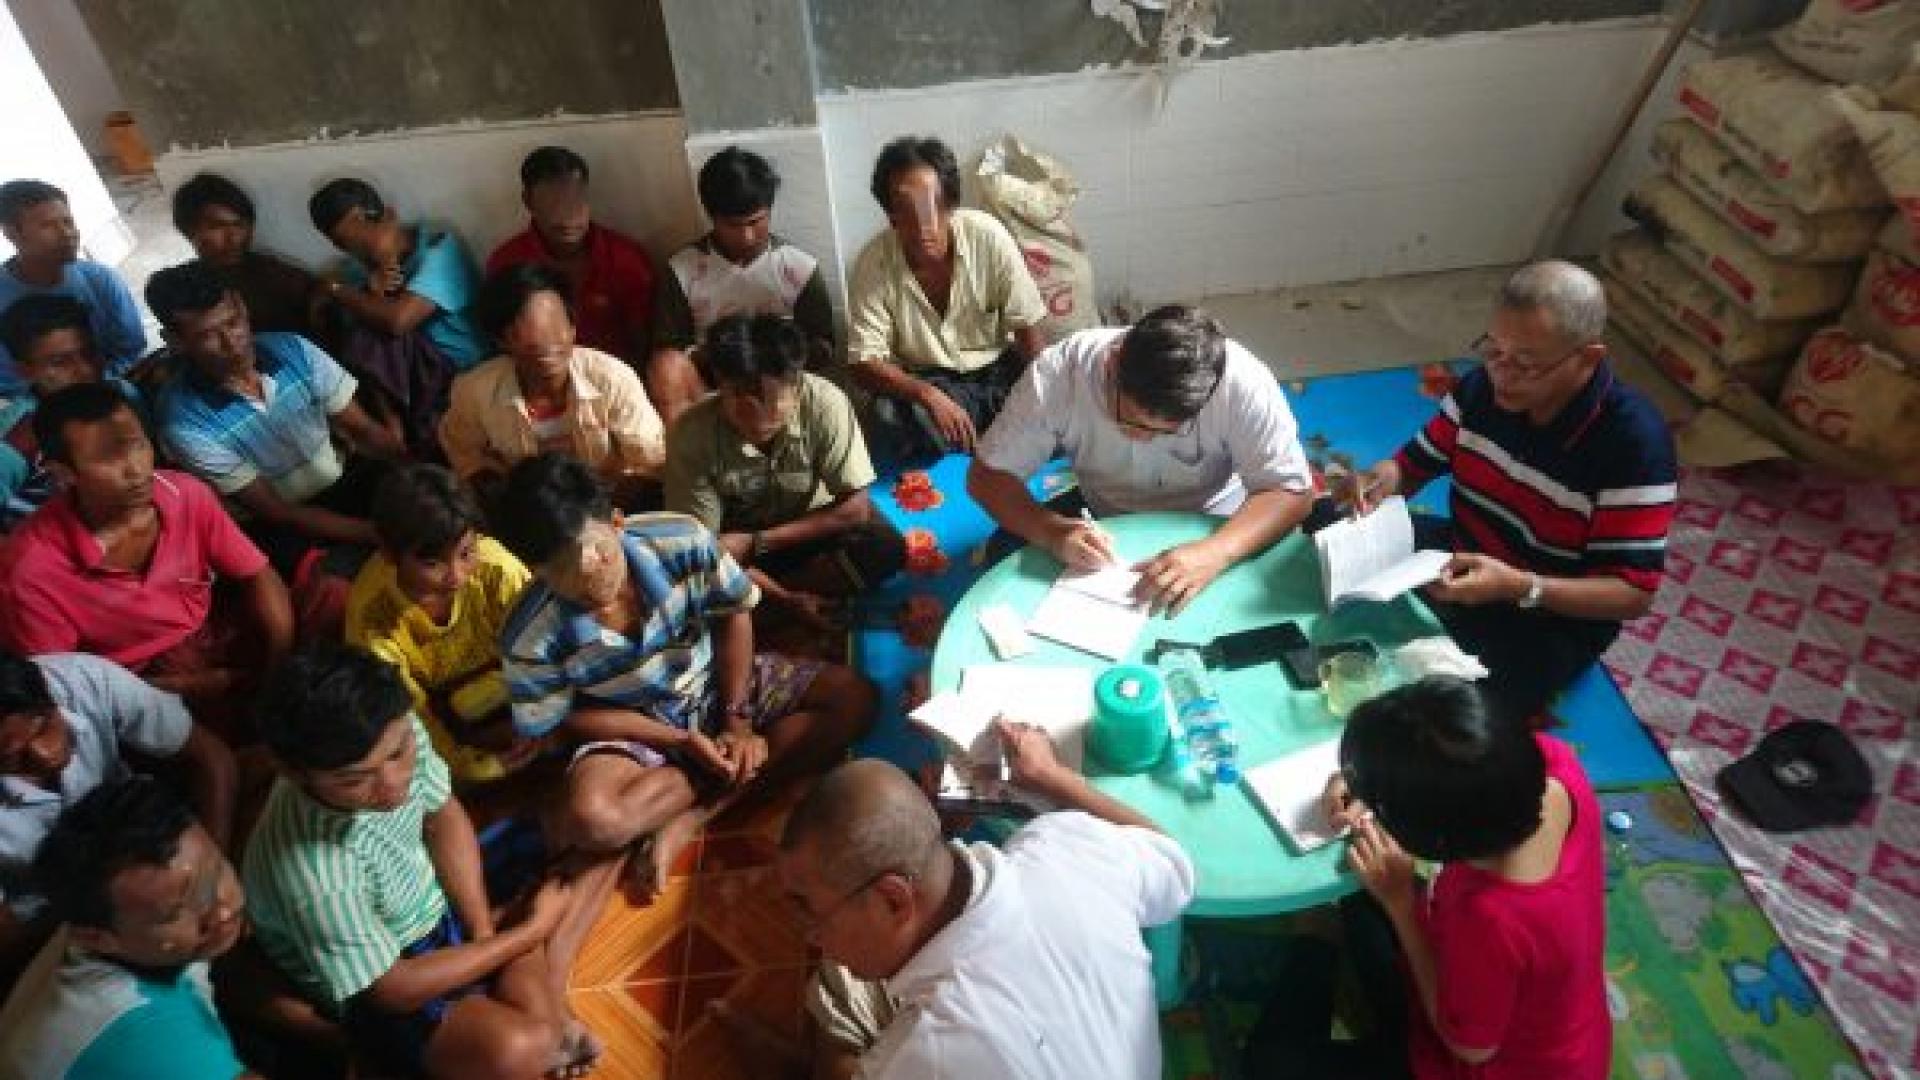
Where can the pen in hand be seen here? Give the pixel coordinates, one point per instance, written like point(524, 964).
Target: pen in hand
point(1105, 538)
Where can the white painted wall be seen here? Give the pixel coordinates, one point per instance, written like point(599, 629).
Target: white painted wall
point(1291, 168)
point(71, 61)
point(803, 211)
point(465, 176)
point(37, 141)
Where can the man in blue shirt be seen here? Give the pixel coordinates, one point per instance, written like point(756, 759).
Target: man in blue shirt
point(46, 259)
point(256, 416)
point(121, 990)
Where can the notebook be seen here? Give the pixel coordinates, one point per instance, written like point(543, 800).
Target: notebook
point(1059, 699)
point(1372, 557)
point(1289, 787)
point(1093, 612)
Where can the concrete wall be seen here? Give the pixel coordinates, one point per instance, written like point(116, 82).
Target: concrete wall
point(901, 44)
point(1295, 167)
point(467, 177)
point(72, 65)
point(203, 73)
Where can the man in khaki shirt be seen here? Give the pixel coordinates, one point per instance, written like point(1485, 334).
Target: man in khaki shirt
point(546, 394)
point(774, 464)
point(942, 314)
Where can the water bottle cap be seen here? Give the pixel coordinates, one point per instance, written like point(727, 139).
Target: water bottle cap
point(1619, 820)
point(1129, 688)
point(1226, 773)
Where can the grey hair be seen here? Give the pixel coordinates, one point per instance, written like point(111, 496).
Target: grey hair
point(862, 820)
point(1569, 295)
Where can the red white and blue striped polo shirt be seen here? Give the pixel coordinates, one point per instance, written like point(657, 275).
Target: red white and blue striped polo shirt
point(1589, 493)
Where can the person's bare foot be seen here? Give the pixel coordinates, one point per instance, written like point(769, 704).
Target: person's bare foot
point(579, 1051)
point(653, 856)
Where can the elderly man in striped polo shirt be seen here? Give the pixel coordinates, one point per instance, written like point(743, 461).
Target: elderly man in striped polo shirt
point(1563, 490)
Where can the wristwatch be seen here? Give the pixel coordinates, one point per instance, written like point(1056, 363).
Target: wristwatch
point(1536, 589)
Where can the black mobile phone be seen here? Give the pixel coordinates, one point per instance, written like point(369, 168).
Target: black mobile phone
point(1284, 642)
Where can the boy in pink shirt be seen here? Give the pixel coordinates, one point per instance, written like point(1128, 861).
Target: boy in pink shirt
point(1504, 952)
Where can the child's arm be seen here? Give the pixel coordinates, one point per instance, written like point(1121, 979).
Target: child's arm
point(412, 982)
point(455, 852)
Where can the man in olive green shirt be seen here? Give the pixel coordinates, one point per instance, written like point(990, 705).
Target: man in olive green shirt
point(942, 314)
point(775, 465)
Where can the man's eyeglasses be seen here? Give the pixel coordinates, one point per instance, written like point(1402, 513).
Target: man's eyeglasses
point(816, 921)
point(1152, 431)
point(1491, 352)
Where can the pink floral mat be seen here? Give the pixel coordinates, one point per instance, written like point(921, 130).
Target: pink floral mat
point(1797, 595)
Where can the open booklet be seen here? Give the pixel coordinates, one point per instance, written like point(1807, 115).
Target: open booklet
point(1372, 557)
point(1289, 789)
point(1057, 699)
point(1094, 612)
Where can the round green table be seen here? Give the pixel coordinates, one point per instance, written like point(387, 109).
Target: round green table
point(1244, 867)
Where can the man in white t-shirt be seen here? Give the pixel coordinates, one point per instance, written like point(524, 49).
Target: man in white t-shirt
point(1165, 415)
point(1019, 961)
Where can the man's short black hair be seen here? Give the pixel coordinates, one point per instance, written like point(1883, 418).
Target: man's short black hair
point(133, 821)
point(209, 189)
point(192, 288)
point(423, 511)
point(1448, 775)
point(341, 197)
point(544, 506)
point(19, 196)
point(23, 686)
point(552, 163)
point(327, 706)
point(914, 151)
point(737, 183)
point(506, 292)
point(35, 316)
point(748, 348)
point(82, 403)
point(1171, 361)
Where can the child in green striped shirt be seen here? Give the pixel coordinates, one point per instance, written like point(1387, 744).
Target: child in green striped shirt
point(366, 889)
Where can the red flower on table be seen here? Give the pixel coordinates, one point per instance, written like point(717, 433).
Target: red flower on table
point(924, 556)
point(1437, 380)
point(914, 491)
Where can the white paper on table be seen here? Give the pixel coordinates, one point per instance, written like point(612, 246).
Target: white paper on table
point(1289, 788)
point(1113, 583)
point(1006, 632)
point(1059, 699)
point(960, 720)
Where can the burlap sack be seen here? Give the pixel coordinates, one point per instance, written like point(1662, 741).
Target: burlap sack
point(1782, 123)
point(1851, 41)
point(1902, 91)
point(1031, 192)
point(1722, 327)
point(1886, 305)
point(1855, 395)
point(1766, 287)
point(1679, 356)
point(1763, 215)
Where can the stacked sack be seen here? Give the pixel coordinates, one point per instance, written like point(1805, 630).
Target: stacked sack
point(1774, 194)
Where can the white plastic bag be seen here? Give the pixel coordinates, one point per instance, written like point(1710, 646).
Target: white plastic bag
point(1764, 215)
point(1768, 288)
point(1031, 192)
point(1851, 41)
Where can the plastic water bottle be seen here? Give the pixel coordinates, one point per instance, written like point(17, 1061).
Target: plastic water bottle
point(1202, 716)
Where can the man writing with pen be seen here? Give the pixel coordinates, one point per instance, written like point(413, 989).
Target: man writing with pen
point(1563, 491)
point(1168, 414)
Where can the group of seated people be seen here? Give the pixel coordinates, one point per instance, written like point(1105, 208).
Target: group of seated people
point(516, 580)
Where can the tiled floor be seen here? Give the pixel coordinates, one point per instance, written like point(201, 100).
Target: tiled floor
point(721, 931)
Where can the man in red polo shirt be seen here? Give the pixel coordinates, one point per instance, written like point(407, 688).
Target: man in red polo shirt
point(126, 563)
point(612, 277)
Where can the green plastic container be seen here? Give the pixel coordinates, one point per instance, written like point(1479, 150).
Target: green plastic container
point(1129, 731)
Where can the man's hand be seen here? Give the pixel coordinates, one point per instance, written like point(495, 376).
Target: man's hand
point(1383, 869)
point(1365, 490)
point(1343, 810)
point(746, 752)
point(1031, 761)
point(1171, 579)
point(949, 419)
point(737, 544)
point(819, 612)
point(1081, 544)
point(707, 754)
point(1471, 579)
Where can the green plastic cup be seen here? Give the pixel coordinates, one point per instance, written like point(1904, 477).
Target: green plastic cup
point(1129, 731)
